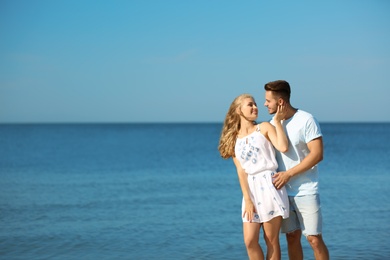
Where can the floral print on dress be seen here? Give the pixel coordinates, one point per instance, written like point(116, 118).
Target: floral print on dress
point(249, 152)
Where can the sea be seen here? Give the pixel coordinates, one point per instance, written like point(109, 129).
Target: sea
point(162, 191)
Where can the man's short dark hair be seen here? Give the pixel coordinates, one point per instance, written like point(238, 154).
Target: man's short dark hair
point(279, 87)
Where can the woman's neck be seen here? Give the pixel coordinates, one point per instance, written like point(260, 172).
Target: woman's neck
point(247, 127)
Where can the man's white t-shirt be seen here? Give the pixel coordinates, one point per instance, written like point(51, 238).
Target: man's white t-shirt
point(301, 128)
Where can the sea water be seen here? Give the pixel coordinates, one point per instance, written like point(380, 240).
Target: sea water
point(161, 191)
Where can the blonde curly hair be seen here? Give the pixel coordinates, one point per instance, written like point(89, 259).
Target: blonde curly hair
point(231, 126)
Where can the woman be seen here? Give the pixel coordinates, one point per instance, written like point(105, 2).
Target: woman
point(250, 146)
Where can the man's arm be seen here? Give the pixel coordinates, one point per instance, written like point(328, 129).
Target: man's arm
point(315, 156)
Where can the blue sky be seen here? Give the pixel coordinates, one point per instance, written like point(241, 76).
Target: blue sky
point(185, 61)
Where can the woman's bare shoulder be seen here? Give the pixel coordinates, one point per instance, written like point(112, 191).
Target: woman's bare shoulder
point(265, 124)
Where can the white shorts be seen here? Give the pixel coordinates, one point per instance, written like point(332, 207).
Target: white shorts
point(305, 214)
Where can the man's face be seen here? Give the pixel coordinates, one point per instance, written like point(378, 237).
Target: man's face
point(271, 102)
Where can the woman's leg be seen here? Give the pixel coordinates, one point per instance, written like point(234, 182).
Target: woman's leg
point(271, 237)
point(251, 239)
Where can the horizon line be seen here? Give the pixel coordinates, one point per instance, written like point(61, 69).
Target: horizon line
point(167, 122)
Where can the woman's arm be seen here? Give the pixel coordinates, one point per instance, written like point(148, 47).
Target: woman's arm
point(275, 134)
point(243, 179)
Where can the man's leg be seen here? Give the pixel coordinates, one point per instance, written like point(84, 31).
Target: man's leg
point(291, 226)
point(308, 210)
point(320, 250)
point(295, 251)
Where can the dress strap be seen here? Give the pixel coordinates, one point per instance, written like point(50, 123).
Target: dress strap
point(258, 128)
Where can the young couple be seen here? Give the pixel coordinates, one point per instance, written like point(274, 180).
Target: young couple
point(279, 186)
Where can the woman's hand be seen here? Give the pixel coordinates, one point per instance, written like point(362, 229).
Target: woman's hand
point(281, 113)
point(249, 211)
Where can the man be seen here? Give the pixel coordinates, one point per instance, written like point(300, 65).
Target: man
point(298, 172)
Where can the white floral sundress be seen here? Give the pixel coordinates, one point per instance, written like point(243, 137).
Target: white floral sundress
point(257, 157)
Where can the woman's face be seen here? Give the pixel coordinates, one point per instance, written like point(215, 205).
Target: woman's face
point(249, 109)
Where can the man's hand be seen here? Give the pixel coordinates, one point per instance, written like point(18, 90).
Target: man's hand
point(280, 179)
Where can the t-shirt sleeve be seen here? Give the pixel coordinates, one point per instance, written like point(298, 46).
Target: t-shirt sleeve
point(313, 130)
